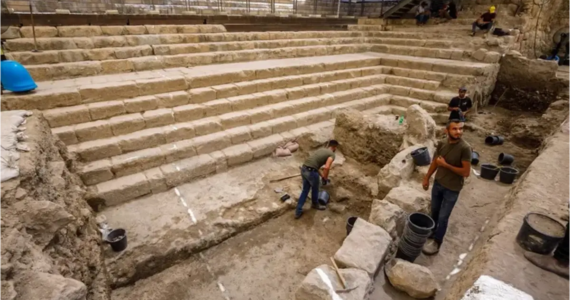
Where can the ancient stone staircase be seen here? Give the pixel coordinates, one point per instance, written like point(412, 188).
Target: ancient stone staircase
point(148, 108)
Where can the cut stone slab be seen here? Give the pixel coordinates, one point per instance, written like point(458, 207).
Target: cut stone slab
point(388, 216)
point(487, 287)
point(409, 199)
point(322, 283)
point(364, 248)
point(417, 281)
point(398, 170)
point(420, 128)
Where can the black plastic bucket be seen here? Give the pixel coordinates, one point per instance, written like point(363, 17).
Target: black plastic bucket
point(324, 198)
point(118, 239)
point(540, 233)
point(350, 223)
point(418, 228)
point(508, 175)
point(421, 157)
point(489, 171)
point(494, 140)
point(506, 159)
point(474, 158)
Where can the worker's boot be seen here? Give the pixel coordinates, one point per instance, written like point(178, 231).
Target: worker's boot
point(318, 207)
point(431, 247)
point(548, 263)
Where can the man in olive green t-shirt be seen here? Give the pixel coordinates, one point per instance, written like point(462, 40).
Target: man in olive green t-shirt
point(452, 160)
point(311, 174)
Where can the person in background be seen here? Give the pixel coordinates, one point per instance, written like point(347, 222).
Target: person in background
point(460, 106)
point(452, 161)
point(448, 12)
point(485, 21)
point(557, 263)
point(422, 14)
point(312, 174)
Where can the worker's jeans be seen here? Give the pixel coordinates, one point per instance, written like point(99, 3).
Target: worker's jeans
point(561, 252)
point(487, 26)
point(442, 202)
point(311, 181)
point(422, 19)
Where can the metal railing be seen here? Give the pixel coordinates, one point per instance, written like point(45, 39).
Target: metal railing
point(252, 7)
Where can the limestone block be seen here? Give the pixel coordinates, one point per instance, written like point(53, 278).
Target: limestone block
point(409, 199)
point(364, 248)
point(480, 54)
point(248, 101)
point(322, 282)
point(116, 66)
point(156, 180)
point(238, 154)
point(400, 168)
point(140, 104)
point(420, 94)
point(11, 32)
point(189, 112)
point(122, 189)
point(96, 172)
point(147, 63)
point(109, 41)
point(21, 45)
point(66, 134)
point(188, 169)
point(112, 30)
point(265, 146)
point(133, 162)
point(235, 119)
point(79, 31)
point(161, 85)
point(127, 123)
point(492, 57)
point(260, 130)
point(36, 285)
point(161, 29)
point(226, 90)
point(98, 149)
point(283, 109)
point(201, 95)
point(178, 132)
point(99, 54)
point(313, 116)
point(62, 11)
point(172, 99)
point(158, 117)
point(420, 127)
point(41, 32)
point(135, 30)
point(217, 107)
point(239, 135)
point(417, 281)
point(260, 114)
point(275, 96)
point(104, 110)
point(207, 125)
point(67, 115)
point(73, 55)
point(245, 88)
point(32, 58)
point(141, 139)
point(93, 130)
point(388, 216)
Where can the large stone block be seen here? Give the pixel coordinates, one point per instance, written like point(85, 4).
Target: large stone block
point(189, 112)
point(67, 115)
point(388, 216)
point(96, 172)
point(112, 30)
point(140, 104)
point(212, 142)
point(36, 285)
point(158, 117)
point(147, 63)
point(156, 180)
point(265, 146)
point(238, 154)
point(116, 66)
point(107, 109)
point(122, 189)
point(108, 91)
point(151, 137)
point(187, 169)
point(417, 281)
point(161, 85)
point(364, 248)
point(98, 149)
point(322, 283)
point(420, 127)
point(93, 130)
point(410, 199)
point(41, 32)
point(133, 162)
point(109, 41)
point(79, 31)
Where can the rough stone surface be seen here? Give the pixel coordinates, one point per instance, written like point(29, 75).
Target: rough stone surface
point(420, 128)
point(48, 286)
point(409, 199)
point(322, 283)
point(364, 248)
point(417, 281)
point(368, 138)
point(388, 216)
point(398, 170)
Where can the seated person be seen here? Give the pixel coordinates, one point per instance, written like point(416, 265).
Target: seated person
point(485, 21)
point(460, 106)
point(422, 14)
point(448, 12)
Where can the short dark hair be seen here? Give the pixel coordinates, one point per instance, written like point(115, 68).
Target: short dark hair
point(333, 143)
point(453, 121)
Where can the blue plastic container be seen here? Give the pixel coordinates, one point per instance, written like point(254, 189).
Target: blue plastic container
point(324, 198)
point(15, 77)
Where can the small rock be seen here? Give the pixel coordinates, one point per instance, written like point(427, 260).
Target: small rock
point(417, 281)
point(364, 248)
point(21, 193)
point(409, 199)
point(35, 285)
point(492, 42)
point(322, 283)
point(480, 54)
point(337, 207)
point(388, 216)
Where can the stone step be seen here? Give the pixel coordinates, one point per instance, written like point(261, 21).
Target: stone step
point(90, 68)
point(71, 124)
point(453, 54)
point(89, 43)
point(416, 42)
point(201, 156)
point(94, 31)
point(71, 92)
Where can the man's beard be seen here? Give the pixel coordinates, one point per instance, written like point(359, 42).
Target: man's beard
point(453, 138)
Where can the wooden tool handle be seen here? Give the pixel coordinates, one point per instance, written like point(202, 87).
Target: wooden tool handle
point(342, 281)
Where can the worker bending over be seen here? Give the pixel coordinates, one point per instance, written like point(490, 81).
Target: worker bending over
point(452, 161)
point(311, 173)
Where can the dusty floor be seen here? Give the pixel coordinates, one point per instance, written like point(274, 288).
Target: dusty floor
point(270, 260)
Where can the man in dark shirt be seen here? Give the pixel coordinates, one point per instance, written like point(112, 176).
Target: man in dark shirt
point(485, 21)
point(312, 174)
point(452, 161)
point(460, 106)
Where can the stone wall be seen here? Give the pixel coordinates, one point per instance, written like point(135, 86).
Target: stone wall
point(51, 248)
